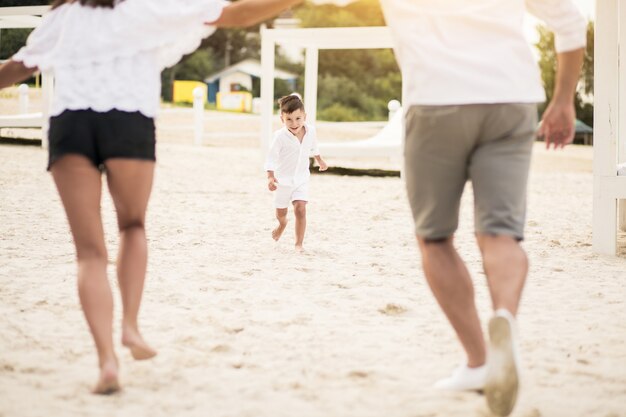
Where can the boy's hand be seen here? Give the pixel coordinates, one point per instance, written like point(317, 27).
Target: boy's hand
point(271, 184)
point(323, 165)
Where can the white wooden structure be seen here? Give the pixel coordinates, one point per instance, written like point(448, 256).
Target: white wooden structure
point(609, 124)
point(385, 144)
point(28, 17)
point(312, 40)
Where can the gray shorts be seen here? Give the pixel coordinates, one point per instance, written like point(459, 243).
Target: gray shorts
point(488, 144)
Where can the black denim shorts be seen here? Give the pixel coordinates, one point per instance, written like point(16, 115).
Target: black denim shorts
point(101, 136)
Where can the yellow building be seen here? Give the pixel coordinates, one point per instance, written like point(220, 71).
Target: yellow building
point(183, 91)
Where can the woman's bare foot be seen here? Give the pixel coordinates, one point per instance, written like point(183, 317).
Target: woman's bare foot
point(108, 383)
point(138, 347)
point(278, 232)
point(299, 249)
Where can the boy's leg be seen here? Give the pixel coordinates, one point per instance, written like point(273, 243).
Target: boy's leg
point(79, 186)
point(281, 216)
point(130, 183)
point(299, 208)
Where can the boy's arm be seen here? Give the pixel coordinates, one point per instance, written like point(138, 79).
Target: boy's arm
point(271, 181)
point(12, 72)
point(315, 150)
point(271, 163)
point(249, 12)
point(321, 162)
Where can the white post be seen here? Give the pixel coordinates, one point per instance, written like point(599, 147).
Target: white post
point(605, 126)
point(621, 134)
point(622, 215)
point(310, 83)
point(268, 48)
point(47, 91)
point(23, 93)
point(393, 106)
point(198, 114)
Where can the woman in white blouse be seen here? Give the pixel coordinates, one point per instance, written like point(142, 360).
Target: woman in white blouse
point(107, 56)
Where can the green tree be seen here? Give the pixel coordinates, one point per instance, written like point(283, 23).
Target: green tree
point(11, 40)
point(354, 84)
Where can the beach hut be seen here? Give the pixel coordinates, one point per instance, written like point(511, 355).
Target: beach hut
point(242, 76)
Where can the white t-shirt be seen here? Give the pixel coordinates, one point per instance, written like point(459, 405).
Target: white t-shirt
point(474, 51)
point(289, 159)
point(112, 58)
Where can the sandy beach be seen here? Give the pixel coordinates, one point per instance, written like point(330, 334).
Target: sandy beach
point(245, 327)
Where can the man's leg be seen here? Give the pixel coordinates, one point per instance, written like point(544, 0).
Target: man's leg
point(452, 286)
point(439, 140)
point(499, 171)
point(506, 266)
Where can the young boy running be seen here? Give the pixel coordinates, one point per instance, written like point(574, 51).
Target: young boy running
point(287, 165)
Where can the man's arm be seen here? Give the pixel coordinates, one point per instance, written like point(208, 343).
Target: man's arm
point(244, 13)
point(557, 125)
point(12, 72)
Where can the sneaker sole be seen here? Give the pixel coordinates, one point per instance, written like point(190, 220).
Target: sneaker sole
point(502, 375)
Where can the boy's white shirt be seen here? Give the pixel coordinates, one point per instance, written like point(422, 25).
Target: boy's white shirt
point(289, 158)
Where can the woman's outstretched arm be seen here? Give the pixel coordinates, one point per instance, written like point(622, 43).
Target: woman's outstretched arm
point(12, 72)
point(244, 13)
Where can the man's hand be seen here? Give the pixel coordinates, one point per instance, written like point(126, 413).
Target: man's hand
point(271, 183)
point(323, 165)
point(557, 125)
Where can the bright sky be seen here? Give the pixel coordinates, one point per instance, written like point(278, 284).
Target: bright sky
point(587, 7)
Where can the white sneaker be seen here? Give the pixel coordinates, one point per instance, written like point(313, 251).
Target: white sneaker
point(503, 374)
point(464, 379)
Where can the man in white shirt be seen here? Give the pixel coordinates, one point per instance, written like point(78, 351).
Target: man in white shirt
point(471, 87)
point(287, 165)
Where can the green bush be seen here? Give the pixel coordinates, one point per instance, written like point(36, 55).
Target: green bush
point(339, 113)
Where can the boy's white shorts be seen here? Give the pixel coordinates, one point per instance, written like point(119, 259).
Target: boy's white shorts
point(286, 194)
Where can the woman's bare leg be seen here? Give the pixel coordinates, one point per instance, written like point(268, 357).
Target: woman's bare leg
point(130, 183)
point(79, 185)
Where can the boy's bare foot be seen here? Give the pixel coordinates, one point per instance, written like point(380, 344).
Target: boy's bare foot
point(138, 347)
point(299, 249)
point(278, 232)
point(108, 383)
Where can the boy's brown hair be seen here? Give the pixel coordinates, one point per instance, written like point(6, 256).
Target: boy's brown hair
point(291, 103)
point(92, 3)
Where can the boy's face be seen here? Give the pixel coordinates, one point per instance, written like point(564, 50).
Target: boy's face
point(294, 121)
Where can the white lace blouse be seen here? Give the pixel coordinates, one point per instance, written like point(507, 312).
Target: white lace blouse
point(104, 59)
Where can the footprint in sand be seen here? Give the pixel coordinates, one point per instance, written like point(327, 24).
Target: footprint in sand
point(393, 310)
